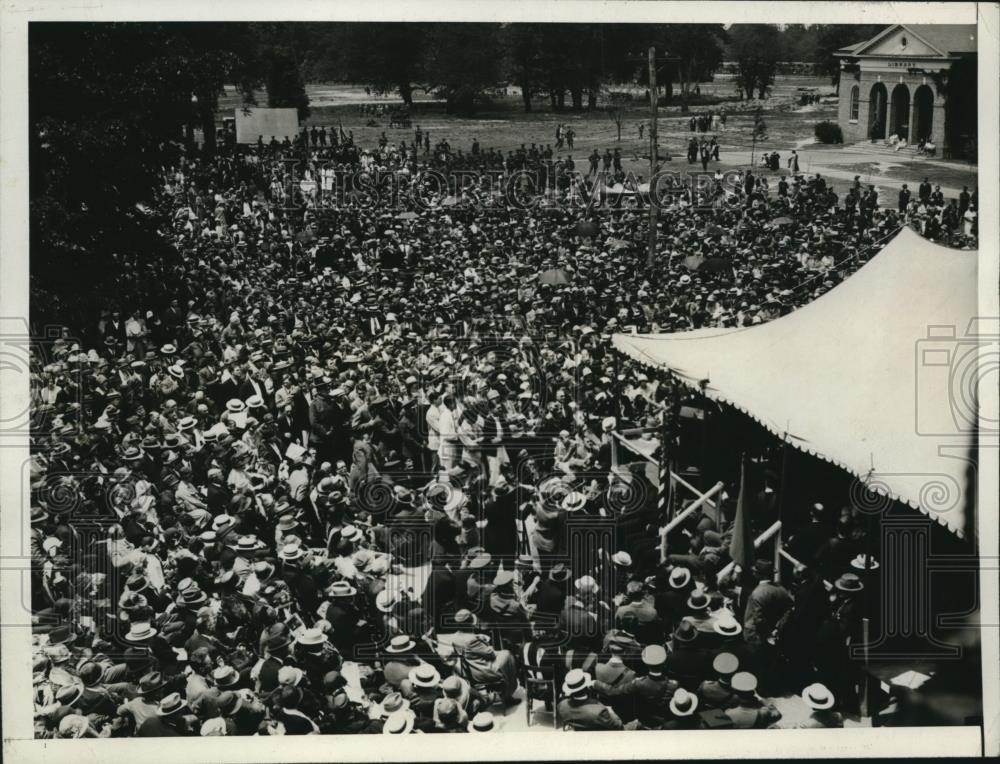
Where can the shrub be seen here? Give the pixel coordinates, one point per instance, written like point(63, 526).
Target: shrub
point(829, 132)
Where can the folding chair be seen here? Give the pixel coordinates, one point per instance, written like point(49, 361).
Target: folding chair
point(539, 681)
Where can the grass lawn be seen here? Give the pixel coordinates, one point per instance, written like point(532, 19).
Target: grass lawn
point(505, 126)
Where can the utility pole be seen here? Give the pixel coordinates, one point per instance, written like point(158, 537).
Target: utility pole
point(653, 157)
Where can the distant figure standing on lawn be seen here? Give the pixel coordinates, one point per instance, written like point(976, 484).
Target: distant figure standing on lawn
point(793, 161)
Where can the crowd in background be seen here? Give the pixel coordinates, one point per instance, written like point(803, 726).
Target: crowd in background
point(321, 472)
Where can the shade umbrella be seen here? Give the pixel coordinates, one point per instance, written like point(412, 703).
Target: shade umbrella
point(715, 265)
point(408, 215)
point(587, 228)
point(614, 245)
point(554, 276)
point(715, 230)
point(781, 221)
point(693, 262)
point(449, 201)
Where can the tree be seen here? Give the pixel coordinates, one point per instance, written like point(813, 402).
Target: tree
point(522, 54)
point(108, 107)
point(462, 62)
point(276, 52)
point(832, 37)
point(757, 49)
point(617, 109)
point(698, 49)
point(390, 57)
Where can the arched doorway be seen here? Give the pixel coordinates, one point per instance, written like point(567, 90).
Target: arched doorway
point(923, 112)
point(900, 112)
point(877, 101)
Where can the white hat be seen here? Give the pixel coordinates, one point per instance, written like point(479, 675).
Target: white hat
point(683, 703)
point(818, 697)
point(586, 584)
point(577, 681)
point(574, 501)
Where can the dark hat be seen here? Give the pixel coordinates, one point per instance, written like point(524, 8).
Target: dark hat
point(69, 694)
point(91, 673)
point(150, 683)
point(685, 632)
point(559, 572)
point(62, 635)
point(277, 642)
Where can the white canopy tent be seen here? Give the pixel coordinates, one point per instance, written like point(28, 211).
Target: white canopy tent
point(876, 375)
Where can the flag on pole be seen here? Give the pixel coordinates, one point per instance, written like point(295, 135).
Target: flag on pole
point(741, 546)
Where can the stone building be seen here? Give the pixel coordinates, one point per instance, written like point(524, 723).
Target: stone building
point(914, 81)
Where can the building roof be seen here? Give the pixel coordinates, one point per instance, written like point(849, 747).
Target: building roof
point(947, 39)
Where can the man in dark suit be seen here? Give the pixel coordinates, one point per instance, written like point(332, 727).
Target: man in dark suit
point(278, 656)
point(688, 662)
point(651, 693)
point(718, 692)
point(550, 595)
point(580, 710)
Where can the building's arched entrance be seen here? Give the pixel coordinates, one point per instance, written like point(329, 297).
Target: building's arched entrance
point(899, 115)
point(923, 112)
point(877, 101)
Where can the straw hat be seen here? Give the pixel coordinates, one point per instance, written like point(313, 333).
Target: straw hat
point(727, 626)
point(577, 681)
point(140, 632)
point(225, 676)
point(679, 578)
point(399, 723)
point(849, 583)
point(392, 703)
point(424, 675)
point(858, 563)
point(171, 704)
point(482, 722)
point(698, 600)
point(744, 681)
point(400, 644)
point(683, 703)
point(818, 697)
point(725, 664)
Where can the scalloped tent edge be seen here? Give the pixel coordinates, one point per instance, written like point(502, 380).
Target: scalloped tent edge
point(907, 289)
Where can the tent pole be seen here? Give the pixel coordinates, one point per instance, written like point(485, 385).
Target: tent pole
point(704, 437)
point(663, 489)
point(865, 676)
point(781, 507)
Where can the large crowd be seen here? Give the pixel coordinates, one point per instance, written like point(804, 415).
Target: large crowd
point(323, 472)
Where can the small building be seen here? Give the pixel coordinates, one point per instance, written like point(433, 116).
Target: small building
point(914, 81)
